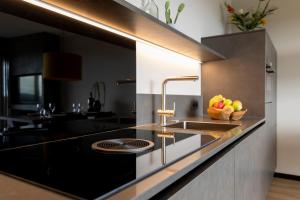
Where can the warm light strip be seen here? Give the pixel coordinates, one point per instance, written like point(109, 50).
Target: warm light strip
point(93, 23)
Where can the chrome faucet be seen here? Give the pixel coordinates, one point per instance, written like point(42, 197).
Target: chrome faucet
point(163, 113)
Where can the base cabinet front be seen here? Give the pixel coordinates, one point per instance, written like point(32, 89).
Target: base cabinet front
point(250, 167)
point(243, 173)
point(215, 183)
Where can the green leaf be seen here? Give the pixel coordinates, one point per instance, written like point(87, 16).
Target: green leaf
point(266, 7)
point(167, 4)
point(179, 10)
point(245, 14)
point(181, 7)
point(168, 16)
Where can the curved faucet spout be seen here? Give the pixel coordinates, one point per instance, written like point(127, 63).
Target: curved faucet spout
point(163, 112)
point(180, 78)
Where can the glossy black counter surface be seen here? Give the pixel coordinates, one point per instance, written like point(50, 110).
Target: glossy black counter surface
point(56, 131)
point(73, 167)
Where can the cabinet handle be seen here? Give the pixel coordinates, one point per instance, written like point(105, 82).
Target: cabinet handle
point(269, 68)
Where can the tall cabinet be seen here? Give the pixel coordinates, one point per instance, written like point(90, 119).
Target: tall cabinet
point(249, 74)
point(26, 59)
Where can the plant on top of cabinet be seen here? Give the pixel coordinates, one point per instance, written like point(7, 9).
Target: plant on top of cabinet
point(247, 20)
point(169, 19)
point(151, 8)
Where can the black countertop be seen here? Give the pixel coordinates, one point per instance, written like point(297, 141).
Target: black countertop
point(146, 187)
point(56, 131)
point(72, 167)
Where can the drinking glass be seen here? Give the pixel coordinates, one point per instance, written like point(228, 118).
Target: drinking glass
point(52, 108)
point(38, 108)
point(74, 107)
point(78, 108)
point(43, 113)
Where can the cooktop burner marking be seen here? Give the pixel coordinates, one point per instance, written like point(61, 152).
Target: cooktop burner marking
point(123, 145)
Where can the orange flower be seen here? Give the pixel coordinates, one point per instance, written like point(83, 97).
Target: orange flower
point(230, 9)
point(263, 22)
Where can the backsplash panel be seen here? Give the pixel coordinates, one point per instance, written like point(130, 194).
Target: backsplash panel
point(186, 106)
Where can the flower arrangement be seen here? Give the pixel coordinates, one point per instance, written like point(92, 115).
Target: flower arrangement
point(169, 19)
point(247, 21)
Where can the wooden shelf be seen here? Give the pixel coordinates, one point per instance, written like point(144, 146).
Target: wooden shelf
point(122, 16)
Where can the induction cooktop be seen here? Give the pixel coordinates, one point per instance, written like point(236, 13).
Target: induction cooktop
point(75, 167)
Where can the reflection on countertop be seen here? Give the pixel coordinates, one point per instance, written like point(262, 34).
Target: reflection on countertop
point(73, 166)
point(57, 129)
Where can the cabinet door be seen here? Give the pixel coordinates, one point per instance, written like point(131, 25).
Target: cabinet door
point(246, 172)
point(215, 183)
point(254, 164)
point(26, 52)
point(262, 161)
point(271, 140)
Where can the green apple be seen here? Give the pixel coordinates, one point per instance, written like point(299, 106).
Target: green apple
point(237, 105)
point(228, 102)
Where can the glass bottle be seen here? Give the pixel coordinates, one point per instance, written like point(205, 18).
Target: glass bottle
point(152, 8)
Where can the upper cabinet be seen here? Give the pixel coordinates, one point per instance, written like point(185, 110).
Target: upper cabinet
point(101, 18)
point(25, 52)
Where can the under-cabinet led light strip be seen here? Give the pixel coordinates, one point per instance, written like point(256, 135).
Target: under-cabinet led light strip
point(77, 17)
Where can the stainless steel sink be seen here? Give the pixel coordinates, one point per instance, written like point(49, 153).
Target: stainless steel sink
point(203, 126)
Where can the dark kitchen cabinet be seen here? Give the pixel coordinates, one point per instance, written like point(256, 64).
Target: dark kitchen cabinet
point(26, 52)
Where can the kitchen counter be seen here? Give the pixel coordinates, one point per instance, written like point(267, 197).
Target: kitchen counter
point(158, 181)
point(152, 185)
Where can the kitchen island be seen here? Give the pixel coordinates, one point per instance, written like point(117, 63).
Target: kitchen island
point(160, 183)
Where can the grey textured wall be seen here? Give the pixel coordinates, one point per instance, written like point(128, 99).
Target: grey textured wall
point(186, 106)
point(242, 75)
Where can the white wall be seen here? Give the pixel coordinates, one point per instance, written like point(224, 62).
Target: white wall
point(200, 18)
point(284, 30)
point(155, 64)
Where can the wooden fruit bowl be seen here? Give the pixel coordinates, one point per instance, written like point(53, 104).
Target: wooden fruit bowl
point(220, 114)
point(237, 115)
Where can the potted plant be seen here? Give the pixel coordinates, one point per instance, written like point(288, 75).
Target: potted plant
point(247, 20)
point(169, 19)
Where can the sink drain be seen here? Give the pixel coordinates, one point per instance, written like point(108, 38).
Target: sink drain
point(123, 145)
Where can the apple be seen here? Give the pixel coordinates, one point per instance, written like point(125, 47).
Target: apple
point(228, 102)
point(237, 105)
point(215, 99)
point(219, 105)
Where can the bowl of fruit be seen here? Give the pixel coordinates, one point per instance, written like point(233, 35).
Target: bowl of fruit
point(225, 109)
